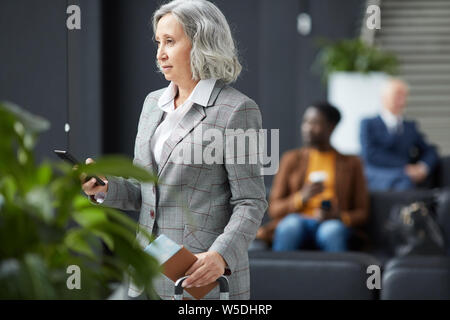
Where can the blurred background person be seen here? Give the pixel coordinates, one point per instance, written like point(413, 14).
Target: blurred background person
point(395, 153)
point(318, 194)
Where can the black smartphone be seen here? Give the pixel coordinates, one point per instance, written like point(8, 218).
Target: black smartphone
point(326, 205)
point(66, 156)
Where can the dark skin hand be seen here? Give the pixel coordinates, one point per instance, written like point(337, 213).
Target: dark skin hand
point(309, 190)
point(322, 215)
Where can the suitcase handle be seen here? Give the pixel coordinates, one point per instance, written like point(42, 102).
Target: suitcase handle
point(223, 285)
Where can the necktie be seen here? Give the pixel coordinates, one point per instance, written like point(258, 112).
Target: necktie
point(398, 127)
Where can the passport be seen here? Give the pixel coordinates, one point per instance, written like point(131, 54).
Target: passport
point(175, 261)
point(162, 248)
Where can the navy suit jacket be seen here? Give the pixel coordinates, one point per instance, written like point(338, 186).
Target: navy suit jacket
point(379, 148)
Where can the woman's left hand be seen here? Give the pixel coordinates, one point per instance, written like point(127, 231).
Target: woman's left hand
point(207, 269)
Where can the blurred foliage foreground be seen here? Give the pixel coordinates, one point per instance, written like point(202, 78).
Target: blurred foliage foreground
point(48, 225)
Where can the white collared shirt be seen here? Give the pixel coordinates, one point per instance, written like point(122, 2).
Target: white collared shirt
point(391, 121)
point(200, 95)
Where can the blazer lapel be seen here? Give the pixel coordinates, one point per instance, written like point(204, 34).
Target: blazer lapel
point(386, 137)
point(151, 121)
point(155, 120)
point(215, 93)
point(158, 116)
point(190, 120)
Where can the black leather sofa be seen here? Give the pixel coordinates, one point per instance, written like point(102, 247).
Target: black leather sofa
point(416, 278)
point(310, 275)
point(320, 275)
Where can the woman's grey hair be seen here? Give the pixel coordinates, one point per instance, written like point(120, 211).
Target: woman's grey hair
point(213, 53)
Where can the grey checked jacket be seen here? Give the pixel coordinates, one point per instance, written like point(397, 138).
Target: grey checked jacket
point(202, 206)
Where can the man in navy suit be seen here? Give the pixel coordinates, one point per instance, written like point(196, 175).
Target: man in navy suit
point(395, 153)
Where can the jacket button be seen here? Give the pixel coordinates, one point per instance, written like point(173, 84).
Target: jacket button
point(152, 213)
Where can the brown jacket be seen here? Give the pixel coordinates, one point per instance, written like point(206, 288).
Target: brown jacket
point(351, 191)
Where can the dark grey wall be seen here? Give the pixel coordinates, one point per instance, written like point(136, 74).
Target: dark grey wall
point(278, 64)
point(54, 72)
point(33, 63)
point(129, 70)
point(84, 76)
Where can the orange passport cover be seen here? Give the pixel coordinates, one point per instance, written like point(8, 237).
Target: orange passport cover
point(176, 267)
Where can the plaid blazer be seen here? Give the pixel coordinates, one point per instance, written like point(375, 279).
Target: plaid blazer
point(202, 206)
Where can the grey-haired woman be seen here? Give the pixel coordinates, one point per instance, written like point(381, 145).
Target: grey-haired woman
point(213, 209)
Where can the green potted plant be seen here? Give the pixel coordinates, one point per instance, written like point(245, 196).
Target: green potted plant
point(47, 227)
point(355, 56)
point(355, 73)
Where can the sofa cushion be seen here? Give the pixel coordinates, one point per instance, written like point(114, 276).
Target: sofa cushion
point(416, 277)
point(310, 275)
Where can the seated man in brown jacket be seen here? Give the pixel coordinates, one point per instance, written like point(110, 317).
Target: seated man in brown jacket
point(318, 194)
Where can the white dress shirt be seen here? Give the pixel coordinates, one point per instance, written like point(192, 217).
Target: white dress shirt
point(172, 116)
point(393, 123)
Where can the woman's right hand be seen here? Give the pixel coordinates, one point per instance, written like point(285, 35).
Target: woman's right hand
point(90, 187)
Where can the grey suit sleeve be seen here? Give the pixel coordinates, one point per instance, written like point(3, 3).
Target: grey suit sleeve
point(124, 194)
point(248, 195)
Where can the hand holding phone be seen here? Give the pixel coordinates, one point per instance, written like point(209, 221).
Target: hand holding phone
point(92, 189)
point(66, 156)
point(326, 211)
point(310, 190)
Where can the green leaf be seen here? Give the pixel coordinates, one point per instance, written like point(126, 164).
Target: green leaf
point(75, 240)
point(117, 230)
point(22, 156)
point(40, 199)
point(118, 166)
point(8, 188)
point(81, 202)
point(44, 174)
point(36, 268)
point(31, 122)
point(90, 217)
point(107, 239)
point(121, 218)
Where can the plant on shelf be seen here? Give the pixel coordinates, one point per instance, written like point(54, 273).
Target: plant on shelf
point(47, 225)
point(353, 55)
